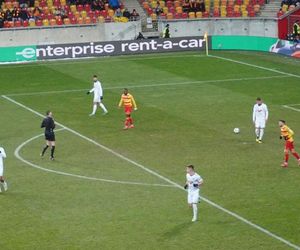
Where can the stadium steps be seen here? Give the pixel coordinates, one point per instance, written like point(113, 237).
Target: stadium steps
point(271, 9)
point(134, 4)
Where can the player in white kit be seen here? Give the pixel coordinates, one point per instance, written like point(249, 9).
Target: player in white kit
point(193, 183)
point(260, 117)
point(98, 96)
point(2, 181)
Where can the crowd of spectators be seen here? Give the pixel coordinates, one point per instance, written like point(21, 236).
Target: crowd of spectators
point(26, 10)
point(187, 6)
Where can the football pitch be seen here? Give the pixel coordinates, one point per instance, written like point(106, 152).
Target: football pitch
point(115, 189)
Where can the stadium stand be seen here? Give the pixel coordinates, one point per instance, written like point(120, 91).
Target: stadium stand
point(36, 13)
point(287, 5)
point(181, 9)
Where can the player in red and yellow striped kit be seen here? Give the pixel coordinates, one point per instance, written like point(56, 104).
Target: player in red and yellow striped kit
point(288, 134)
point(128, 102)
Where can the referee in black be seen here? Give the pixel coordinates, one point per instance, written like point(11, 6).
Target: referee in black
point(49, 125)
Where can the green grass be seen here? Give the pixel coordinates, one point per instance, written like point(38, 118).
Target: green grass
point(176, 124)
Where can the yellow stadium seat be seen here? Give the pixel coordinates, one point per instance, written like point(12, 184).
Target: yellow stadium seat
point(162, 4)
point(169, 16)
point(245, 13)
point(165, 10)
point(179, 9)
point(101, 19)
point(45, 22)
point(83, 14)
point(191, 15)
point(199, 14)
point(73, 8)
point(111, 12)
point(31, 23)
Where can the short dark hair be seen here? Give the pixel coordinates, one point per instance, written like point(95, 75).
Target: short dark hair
point(283, 121)
point(95, 76)
point(125, 89)
point(48, 112)
point(190, 166)
point(258, 99)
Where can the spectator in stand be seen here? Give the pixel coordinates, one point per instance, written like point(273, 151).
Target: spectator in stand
point(158, 9)
point(97, 5)
point(31, 3)
point(114, 4)
point(37, 13)
point(134, 16)
point(8, 15)
point(126, 13)
point(16, 14)
point(118, 13)
point(2, 19)
point(201, 6)
point(23, 4)
point(186, 6)
point(24, 14)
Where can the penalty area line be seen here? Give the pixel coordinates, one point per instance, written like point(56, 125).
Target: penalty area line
point(213, 204)
point(291, 108)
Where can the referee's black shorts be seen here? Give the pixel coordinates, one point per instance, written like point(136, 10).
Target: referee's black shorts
point(50, 136)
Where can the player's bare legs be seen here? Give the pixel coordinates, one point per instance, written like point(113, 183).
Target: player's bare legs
point(3, 183)
point(49, 144)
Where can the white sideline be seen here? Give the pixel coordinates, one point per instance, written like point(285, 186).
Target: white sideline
point(255, 66)
point(261, 229)
point(18, 156)
point(152, 85)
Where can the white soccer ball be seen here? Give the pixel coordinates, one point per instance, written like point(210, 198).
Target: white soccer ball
point(236, 130)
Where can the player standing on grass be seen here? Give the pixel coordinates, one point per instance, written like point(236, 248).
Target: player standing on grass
point(193, 183)
point(260, 117)
point(287, 134)
point(98, 96)
point(128, 102)
point(49, 125)
point(2, 181)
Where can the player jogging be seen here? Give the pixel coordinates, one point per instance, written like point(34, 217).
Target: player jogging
point(128, 102)
point(2, 181)
point(193, 183)
point(49, 125)
point(98, 96)
point(287, 134)
point(260, 117)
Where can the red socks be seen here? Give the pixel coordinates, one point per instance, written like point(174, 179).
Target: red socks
point(286, 157)
point(296, 156)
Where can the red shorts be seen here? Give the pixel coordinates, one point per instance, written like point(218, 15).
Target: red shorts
point(128, 110)
point(289, 145)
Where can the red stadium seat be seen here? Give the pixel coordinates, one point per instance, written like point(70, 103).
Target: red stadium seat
point(79, 7)
point(39, 23)
point(18, 24)
point(59, 21)
point(87, 7)
point(25, 23)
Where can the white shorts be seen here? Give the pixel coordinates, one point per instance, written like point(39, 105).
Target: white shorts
point(97, 98)
point(193, 197)
point(1, 170)
point(260, 123)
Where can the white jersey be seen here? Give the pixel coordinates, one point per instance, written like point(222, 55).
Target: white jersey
point(260, 113)
point(193, 182)
point(97, 89)
point(2, 155)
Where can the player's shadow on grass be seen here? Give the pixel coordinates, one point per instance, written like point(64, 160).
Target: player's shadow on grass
point(177, 230)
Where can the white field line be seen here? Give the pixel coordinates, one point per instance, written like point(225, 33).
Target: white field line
point(17, 154)
point(152, 85)
point(71, 61)
point(255, 66)
point(261, 229)
point(291, 108)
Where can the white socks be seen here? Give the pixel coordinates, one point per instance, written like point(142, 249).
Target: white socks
point(94, 109)
point(261, 134)
point(195, 212)
point(103, 107)
point(257, 132)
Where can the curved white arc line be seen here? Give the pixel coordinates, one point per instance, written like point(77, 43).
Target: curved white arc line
point(17, 155)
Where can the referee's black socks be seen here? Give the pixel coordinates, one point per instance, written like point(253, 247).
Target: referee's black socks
point(52, 151)
point(44, 149)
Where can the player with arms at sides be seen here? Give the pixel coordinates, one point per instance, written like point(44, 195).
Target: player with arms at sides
point(128, 102)
point(98, 96)
point(287, 134)
point(260, 117)
point(2, 181)
point(49, 125)
point(193, 183)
